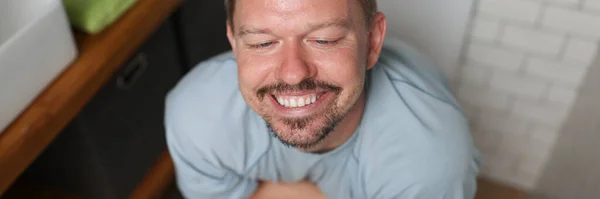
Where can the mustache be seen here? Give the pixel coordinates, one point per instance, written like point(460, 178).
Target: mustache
point(305, 85)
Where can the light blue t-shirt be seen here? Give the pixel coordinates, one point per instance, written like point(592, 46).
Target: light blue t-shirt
point(413, 141)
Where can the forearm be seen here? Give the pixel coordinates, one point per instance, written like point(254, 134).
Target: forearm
point(302, 190)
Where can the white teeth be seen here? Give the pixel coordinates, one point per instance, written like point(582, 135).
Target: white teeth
point(294, 102)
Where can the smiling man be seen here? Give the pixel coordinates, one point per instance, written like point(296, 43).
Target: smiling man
point(314, 102)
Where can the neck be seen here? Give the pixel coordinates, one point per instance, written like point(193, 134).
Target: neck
point(344, 129)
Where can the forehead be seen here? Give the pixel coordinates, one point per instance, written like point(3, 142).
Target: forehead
point(290, 12)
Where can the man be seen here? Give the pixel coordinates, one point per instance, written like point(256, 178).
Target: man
point(312, 103)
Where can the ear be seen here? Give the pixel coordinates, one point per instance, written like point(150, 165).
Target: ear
point(376, 38)
point(230, 36)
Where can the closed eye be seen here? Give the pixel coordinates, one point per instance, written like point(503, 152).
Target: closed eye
point(325, 42)
point(261, 45)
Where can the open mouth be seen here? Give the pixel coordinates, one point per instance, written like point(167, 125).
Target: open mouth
point(297, 101)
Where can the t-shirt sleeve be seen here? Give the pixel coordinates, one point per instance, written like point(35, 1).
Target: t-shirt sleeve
point(421, 181)
point(422, 149)
point(436, 171)
point(401, 167)
point(208, 157)
point(200, 176)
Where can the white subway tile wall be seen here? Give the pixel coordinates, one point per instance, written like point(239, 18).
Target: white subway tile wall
point(518, 84)
point(485, 29)
point(564, 2)
point(523, 67)
point(572, 21)
point(483, 97)
point(564, 95)
point(546, 113)
point(515, 10)
point(580, 50)
point(592, 5)
point(533, 41)
point(494, 57)
point(561, 73)
point(475, 75)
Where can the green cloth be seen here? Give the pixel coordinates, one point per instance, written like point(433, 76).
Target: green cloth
point(92, 16)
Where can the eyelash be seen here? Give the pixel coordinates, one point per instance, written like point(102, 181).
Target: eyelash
point(326, 42)
point(262, 45)
point(269, 44)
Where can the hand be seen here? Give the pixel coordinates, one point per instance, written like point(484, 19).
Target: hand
point(301, 190)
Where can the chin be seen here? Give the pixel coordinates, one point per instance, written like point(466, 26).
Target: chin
point(303, 132)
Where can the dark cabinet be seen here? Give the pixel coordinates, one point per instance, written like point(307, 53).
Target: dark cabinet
point(108, 148)
point(201, 28)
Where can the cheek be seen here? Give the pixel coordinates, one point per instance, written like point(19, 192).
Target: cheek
point(345, 68)
point(253, 71)
point(342, 66)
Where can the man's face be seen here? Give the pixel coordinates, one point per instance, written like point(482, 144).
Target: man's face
point(302, 63)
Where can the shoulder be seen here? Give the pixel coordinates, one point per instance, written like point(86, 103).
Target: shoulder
point(217, 74)
point(413, 134)
point(206, 114)
point(205, 98)
point(420, 145)
point(401, 63)
point(408, 96)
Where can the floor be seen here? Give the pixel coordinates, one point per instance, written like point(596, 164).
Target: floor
point(490, 190)
point(486, 190)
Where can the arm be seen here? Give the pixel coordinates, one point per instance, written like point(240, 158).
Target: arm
point(199, 177)
point(300, 190)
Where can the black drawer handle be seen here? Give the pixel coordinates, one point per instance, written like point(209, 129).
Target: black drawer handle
point(132, 72)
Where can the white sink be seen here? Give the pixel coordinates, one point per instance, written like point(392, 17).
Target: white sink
point(36, 45)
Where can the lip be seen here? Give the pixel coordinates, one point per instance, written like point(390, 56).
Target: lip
point(301, 111)
point(301, 93)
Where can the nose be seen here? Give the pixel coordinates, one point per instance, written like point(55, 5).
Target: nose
point(294, 68)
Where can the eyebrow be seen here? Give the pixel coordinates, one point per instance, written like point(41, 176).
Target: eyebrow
point(247, 31)
point(342, 23)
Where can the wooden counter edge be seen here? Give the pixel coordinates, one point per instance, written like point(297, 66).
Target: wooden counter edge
point(99, 57)
point(157, 180)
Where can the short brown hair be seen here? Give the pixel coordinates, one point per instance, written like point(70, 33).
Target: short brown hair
point(369, 9)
